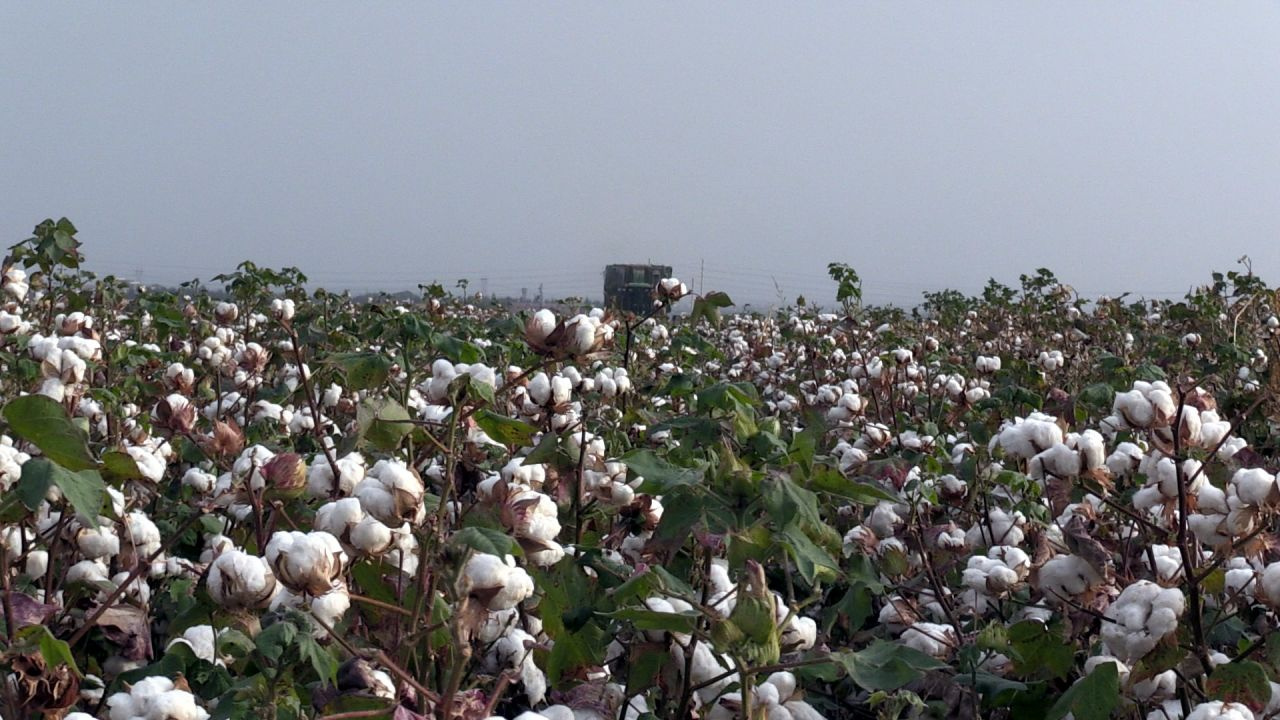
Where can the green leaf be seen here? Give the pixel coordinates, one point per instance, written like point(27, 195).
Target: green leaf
point(486, 540)
point(1093, 698)
point(829, 480)
point(325, 665)
point(362, 370)
point(814, 564)
point(505, 430)
point(645, 665)
point(787, 501)
point(275, 639)
point(645, 619)
point(885, 665)
point(54, 651)
point(545, 452)
point(84, 490)
point(659, 475)
point(380, 422)
point(119, 465)
point(45, 423)
point(34, 484)
point(1242, 682)
point(573, 650)
point(1040, 650)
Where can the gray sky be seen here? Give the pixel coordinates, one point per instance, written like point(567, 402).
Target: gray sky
point(1123, 145)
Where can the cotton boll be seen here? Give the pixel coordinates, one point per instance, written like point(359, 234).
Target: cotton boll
point(306, 562)
point(1255, 486)
point(496, 582)
point(392, 493)
point(931, 639)
point(320, 480)
point(1142, 615)
point(101, 542)
point(199, 480)
point(239, 580)
point(339, 518)
point(1001, 528)
point(1067, 576)
point(202, 639)
point(1219, 710)
point(330, 607)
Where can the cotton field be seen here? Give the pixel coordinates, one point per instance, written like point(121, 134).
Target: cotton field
point(260, 500)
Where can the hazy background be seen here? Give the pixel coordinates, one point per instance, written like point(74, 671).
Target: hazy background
point(1123, 145)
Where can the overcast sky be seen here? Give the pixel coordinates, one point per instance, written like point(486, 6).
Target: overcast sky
point(1123, 145)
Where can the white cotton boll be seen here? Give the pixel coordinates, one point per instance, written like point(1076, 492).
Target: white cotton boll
point(1210, 499)
point(1058, 461)
point(1092, 448)
point(98, 543)
point(497, 582)
point(1232, 446)
point(1124, 460)
point(202, 640)
point(1269, 583)
point(392, 493)
point(884, 520)
point(199, 480)
point(1219, 710)
point(539, 389)
point(175, 705)
point(306, 562)
point(1143, 615)
point(239, 580)
point(142, 533)
point(1255, 486)
point(801, 634)
point(339, 518)
point(1212, 530)
point(930, 638)
point(331, 607)
point(320, 481)
point(1157, 687)
point(1027, 437)
point(541, 325)
point(87, 571)
point(1002, 528)
point(1168, 562)
point(37, 564)
point(1134, 409)
point(371, 536)
point(1066, 576)
point(534, 516)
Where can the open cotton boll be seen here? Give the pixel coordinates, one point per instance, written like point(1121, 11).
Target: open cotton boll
point(496, 582)
point(1219, 710)
point(331, 607)
point(514, 651)
point(1001, 528)
point(931, 639)
point(392, 493)
point(199, 480)
point(203, 641)
point(101, 542)
point(320, 480)
point(237, 580)
point(339, 518)
point(1255, 486)
point(1142, 615)
point(1066, 576)
point(1029, 436)
point(306, 562)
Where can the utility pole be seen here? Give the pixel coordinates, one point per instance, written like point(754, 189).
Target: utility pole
point(702, 274)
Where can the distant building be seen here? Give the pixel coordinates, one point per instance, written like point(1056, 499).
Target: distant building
point(630, 287)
